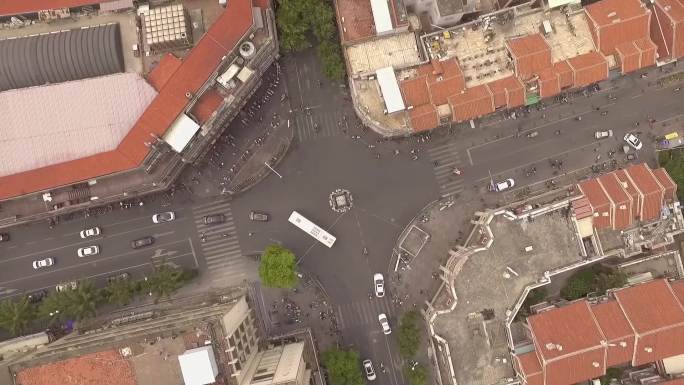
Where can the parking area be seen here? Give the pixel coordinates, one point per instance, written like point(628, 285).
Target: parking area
point(490, 283)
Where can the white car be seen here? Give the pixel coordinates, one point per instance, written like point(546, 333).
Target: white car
point(41, 263)
point(385, 325)
point(164, 217)
point(503, 185)
point(88, 251)
point(66, 286)
point(379, 285)
point(368, 368)
point(633, 141)
point(603, 134)
point(95, 231)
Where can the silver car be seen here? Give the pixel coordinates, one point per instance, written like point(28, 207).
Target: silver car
point(164, 217)
point(92, 232)
point(45, 262)
point(88, 251)
point(368, 369)
point(379, 285)
point(384, 323)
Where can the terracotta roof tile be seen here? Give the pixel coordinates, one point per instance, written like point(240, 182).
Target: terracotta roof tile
point(618, 332)
point(565, 74)
point(549, 84)
point(424, 117)
point(103, 368)
point(472, 103)
point(15, 7)
point(629, 55)
point(356, 19)
point(608, 12)
point(588, 68)
point(529, 363)
point(678, 288)
point(621, 203)
point(666, 181)
point(206, 105)
point(415, 91)
point(531, 54)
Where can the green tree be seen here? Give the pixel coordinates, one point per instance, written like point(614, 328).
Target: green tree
point(343, 367)
point(15, 317)
point(53, 307)
point(277, 267)
point(534, 297)
point(595, 279)
point(120, 292)
point(292, 20)
point(165, 281)
point(323, 21)
point(673, 162)
point(417, 375)
point(409, 334)
point(83, 301)
point(331, 57)
point(611, 374)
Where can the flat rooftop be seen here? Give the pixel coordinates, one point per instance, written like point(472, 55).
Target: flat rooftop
point(102, 368)
point(487, 282)
point(483, 55)
point(398, 51)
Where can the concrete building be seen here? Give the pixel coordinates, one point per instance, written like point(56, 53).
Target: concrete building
point(280, 365)
point(176, 112)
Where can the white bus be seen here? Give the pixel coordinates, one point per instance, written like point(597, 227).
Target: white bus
point(310, 228)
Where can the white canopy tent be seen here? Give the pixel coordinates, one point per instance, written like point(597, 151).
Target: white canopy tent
point(389, 86)
point(198, 366)
point(181, 133)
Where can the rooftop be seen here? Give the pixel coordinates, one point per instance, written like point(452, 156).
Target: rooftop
point(107, 106)
point(103, 368)
point(607, 12)
point(397, 51)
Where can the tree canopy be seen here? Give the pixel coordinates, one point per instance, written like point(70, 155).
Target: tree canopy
point(343, 366)
point(595, 279)
point(417, 375)
point(673, 162)
point(277, 268)
point(409, 334)
point(15, 317)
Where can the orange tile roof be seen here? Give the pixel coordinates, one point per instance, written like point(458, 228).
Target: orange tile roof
point(564, 71)
point(629, 55)
point(652, 193)
point(549, 84)
point(196, 67)
point(657, 317)
point(16, 7)
point(415, 91)
point(163, 71)
point(472, 103)
point(666, 181)
point(103, 368)
point(588, 68)
point(206, 105)
point(531, 54)
point(508, 92)
point(678, 289)
point(448, 82)
point(618, 332)
point(620, 201)
point(608, 12)
point(424, 117)
point(355, 18)
point(673, 9)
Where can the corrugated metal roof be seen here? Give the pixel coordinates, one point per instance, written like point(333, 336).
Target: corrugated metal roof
point(531, 53)
point(588, 68)
point(381, 16)
point(415, 91)
point(60, 56)
point(202, 60)
point(389, 87)
point(618, 332)
point(75, 120)
point(424, 117)
point(16, 7)
point(472, 103)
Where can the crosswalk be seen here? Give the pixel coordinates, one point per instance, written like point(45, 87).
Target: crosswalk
point(224, 261)
point(363, 312)
point(447, 159)
point(318, 125)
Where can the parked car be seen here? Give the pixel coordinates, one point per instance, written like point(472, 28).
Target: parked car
point(368, 368)
point(214, 219)
point(142, 242)
point(379, 285)
point(384, 323)
point(603, 134)
point(503, 185)
point(66, 286)
point(258, 216)
point(633, 141)
point(37, 296)
point(164, 217)
point(4, 237)
point(45, 262)
point(88, 251)
point(119, 277)
point(92, 232)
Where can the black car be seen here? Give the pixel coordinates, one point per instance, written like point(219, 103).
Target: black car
point(214, 219)
point(37, 296)
point(4, 237)
point(142, 242)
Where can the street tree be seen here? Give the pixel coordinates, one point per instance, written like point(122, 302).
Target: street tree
point(331, 57)
point(16, 316)
point(82, 302)
point(165, 281)
point(120, 292)
point(277, 267)
point(343, 367)
point(417, 375)
point(292, 20)
point(53, 307)
point(409, 334)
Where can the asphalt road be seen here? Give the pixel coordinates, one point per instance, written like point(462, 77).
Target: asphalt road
point(387, 189)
